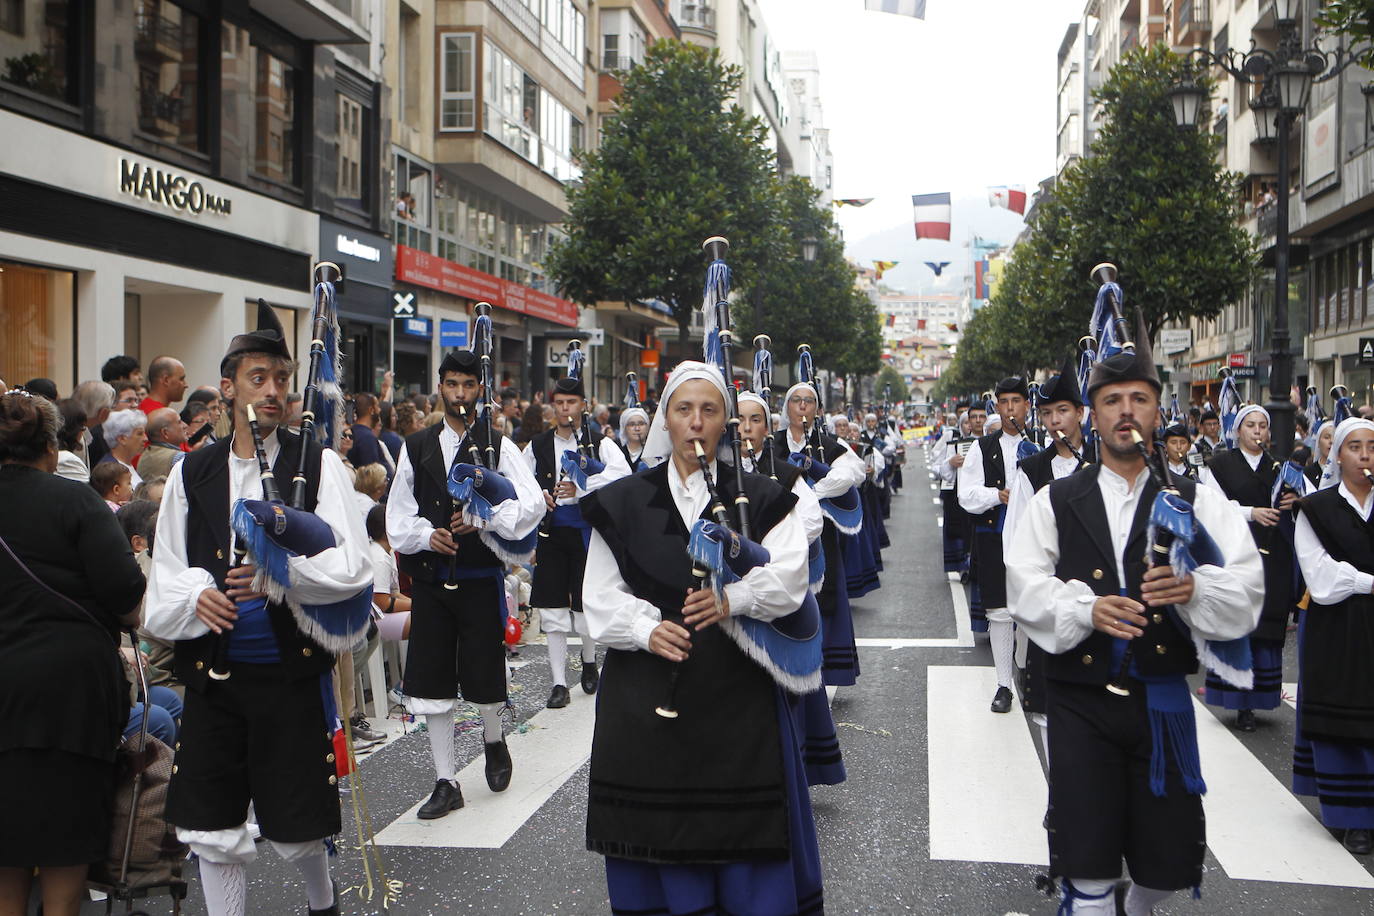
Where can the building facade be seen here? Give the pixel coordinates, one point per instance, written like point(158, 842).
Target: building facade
point(166, 164)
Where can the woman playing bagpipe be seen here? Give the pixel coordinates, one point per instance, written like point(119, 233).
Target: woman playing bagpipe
point(1090, 576)
point(1333, 756)
point(259, 716)
point(634, 426)
point(834, 473)
point(867, 548)
point(1264, 489)
point(462, 505)
point(707, 810)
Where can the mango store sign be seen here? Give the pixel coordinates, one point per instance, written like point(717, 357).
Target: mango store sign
point(177, 192)
point(424, 269)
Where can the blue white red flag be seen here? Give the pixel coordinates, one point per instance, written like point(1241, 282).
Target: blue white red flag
point(932, 215)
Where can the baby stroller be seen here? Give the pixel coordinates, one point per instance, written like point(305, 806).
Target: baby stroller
point(145, 854)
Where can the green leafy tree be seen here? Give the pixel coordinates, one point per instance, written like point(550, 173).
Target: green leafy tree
point(1353, 19)
point(889, 376)
point(1152, 199)
point(678, 163)
point(863, 351)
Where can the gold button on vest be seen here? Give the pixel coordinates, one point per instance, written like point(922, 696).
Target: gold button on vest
point(1097, 574)
point(1087, 659)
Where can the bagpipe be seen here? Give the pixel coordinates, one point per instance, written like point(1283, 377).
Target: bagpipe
point(576, 463)
point(845, 510)
point(763, 387)
point(272, 531)
point(477, 486)
point(721, 550)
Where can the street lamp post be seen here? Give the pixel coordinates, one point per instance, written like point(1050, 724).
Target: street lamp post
point(1285, 77)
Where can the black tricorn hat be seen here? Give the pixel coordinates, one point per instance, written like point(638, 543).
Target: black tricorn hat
point(464, 361)
point(1176, 429)
point(1127, 366)
point(1013, 384)
point(267, 338)
point(1063, 387)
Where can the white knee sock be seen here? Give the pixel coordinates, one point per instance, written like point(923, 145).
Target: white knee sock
point(1101, 902)
point(1140, 900)
point(440, 728)
point(1003, 639)
point(558, 658)
point(491, 721)
point(225, 887)
point(588, 650)
point(315, 870)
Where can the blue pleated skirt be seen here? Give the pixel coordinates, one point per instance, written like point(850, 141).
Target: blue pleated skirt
point(861, 569)
point(1268, 690)
point(839, 655)
point(788, 888)
point(820, 745)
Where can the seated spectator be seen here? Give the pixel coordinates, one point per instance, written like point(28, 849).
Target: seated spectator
point(151, 490)
point(97, 400)
point(369, 486)
point(166, 384)
point(126, 435)
point(200, 429)
point(44, 386)
point(70, 464)
point(111, 480)
point(63, 698)
point(162, 705)
point(138, 519)
point(166, 443)
point(395, 607)
point(125, 398)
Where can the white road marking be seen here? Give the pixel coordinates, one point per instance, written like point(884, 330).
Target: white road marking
point(987, 790)
point(1256, 828)
point(558, 742)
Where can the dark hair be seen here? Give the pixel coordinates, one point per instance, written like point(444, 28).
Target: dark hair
point(106, 474)
point(194, 409)
point(123, 384)
point(206, 396)
point(117, 367)
point(387, 413)
point(28, 426)
point(229, 367)
point(138, 517)
point(364, 403)
point(44, 386)
point(532, 423)
point(407, 417)
point(1207, 415)
point(376, 523)
point(73, 423)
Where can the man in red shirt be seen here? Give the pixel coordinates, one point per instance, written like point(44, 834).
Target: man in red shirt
point(166, 384)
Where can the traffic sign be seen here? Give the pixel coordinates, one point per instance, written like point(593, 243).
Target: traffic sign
point(405, 305)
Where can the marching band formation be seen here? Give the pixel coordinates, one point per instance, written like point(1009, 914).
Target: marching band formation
point(711, 548)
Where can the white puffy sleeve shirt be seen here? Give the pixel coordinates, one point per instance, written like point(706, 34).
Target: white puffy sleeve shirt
point(1330, 581)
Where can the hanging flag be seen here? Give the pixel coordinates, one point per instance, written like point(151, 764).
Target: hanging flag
point(915, 8)
point(891, 321)
point(920, 326)
point(853, 201)
point(932, 215)
point(937, 266)
point(883, 266)
point(952, 327)
point(1011, 198)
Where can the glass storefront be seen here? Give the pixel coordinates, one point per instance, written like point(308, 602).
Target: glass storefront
point(37, 311)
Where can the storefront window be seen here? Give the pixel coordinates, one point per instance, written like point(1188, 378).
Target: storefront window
point(36, 41)
point(167, 50)
point(37, 313)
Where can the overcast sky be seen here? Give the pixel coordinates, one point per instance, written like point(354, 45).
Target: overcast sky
point(958, 101)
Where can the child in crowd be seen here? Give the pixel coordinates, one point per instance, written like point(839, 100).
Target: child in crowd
point(113, 482)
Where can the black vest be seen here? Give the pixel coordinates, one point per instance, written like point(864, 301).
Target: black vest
point(206, 476)
point(830, 447)
point(706, 787)
point(1039, 468)
point(994, 475)
point(436, 506)
point(1337, 695)
point(1085, 545)
point(1256, 488)
point(547, 465)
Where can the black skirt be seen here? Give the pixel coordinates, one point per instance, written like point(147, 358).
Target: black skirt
point(60, 813)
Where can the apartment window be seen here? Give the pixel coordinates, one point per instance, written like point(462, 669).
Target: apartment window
point(414, 192)
point(622, 40)
point(567, 24)
point(457, 96)
point(510, 103)
point(274, 119)
point(349, 129)
point(37, 51)
point(167, 53)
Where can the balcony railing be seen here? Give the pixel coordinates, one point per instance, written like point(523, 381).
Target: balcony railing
point(521, 16)
point(610, 60)
point(157, 34)
point(1128, 39)
point(698, 16)
point(1194, 13)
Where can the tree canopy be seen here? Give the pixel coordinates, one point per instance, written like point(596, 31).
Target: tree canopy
point(1150, 198)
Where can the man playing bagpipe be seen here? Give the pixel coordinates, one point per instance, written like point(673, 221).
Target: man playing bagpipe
point(568, 461)
point(984, 490)
point(700, 805)
point(1264, 489)
point(1061, 411)
point(945, 461)
point(454, 518)
point(834, 473)
point(260, 729)
point(1177, 447)
point(1125, 778)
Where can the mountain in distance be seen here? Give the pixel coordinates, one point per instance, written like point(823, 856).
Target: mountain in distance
point(971, 216)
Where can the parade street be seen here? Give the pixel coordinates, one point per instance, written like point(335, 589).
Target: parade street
point(941, 813)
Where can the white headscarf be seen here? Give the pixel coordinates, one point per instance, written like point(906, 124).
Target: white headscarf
point(1332, 474)
point(750, 396)
point(1241, 415)
point(629, 413)
point(659, 445)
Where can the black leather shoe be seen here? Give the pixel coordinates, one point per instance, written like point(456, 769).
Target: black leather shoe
point(1002, 701)
point(447, 797)
point(331, 910)
point(1245, 720)
point(498, 765)
point(558, 697)
point(1359, 842)
point(589, 677)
